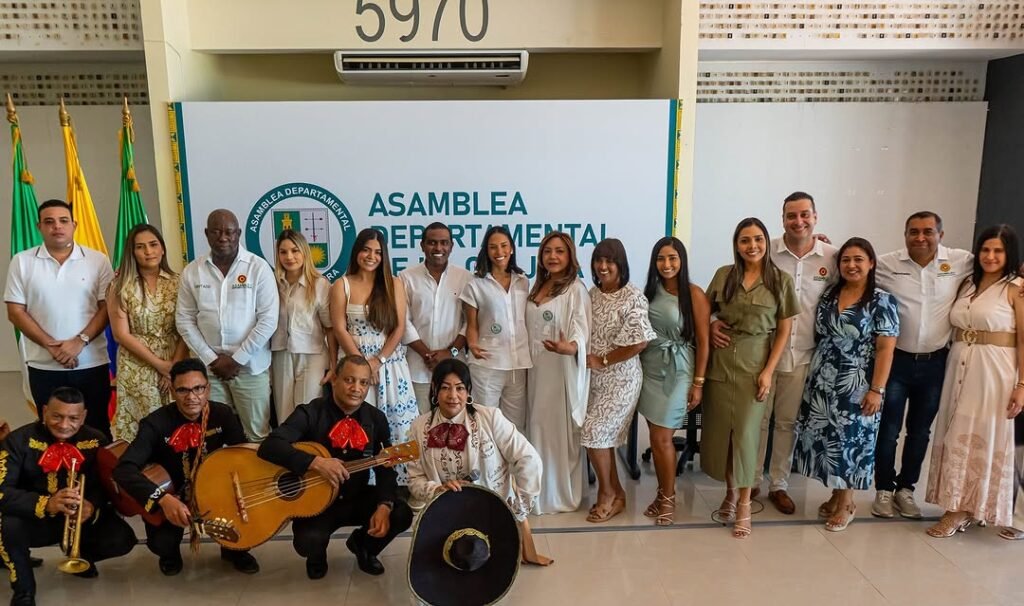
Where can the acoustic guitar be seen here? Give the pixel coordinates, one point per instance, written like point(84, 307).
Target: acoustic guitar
point(257, 498)
point(107, 459)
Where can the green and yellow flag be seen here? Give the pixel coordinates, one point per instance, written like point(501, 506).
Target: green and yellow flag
point(130, 211)
point(24, 216)
point(87, 232)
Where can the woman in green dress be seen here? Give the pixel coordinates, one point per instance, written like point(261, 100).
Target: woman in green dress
point(758, 302)
point(673, 364)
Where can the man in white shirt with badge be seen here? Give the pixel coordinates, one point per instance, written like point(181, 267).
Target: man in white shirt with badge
point(435, 325)
point(56, 297)
point(924, 278)
point(227, 312)
point(812, 265)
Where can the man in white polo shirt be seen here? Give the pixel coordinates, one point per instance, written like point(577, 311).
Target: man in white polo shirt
point(227, 313)
point(56, 297)
point(435, 326)
point(812, 264)
point(924, 278)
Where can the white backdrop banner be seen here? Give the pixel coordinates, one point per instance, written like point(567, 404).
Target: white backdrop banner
point(593, 169)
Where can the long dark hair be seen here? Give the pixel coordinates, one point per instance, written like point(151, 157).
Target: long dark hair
point(685, 297)
point(560, 283)
point(1011, 244)
point(449, 366)
point(483, 261)
point(382, 311)
point(869, 287)
point(770, 274)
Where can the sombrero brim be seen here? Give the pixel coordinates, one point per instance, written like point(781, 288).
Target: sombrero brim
point(435, 582)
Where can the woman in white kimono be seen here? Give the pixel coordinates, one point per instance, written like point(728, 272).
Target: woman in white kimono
point(461, 444)
point(558, 322)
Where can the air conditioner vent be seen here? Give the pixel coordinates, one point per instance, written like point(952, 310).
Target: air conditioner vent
point(464, 68)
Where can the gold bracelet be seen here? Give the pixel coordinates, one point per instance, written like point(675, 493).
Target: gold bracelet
point(1019, 385)
point(698, 381)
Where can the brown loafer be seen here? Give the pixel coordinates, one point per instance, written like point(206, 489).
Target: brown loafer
point(782, 502)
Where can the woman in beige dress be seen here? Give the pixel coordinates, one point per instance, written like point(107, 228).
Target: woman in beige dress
point(141, 301)
point(971, 474)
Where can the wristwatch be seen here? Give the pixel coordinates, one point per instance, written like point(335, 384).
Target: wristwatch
point(879, 390)
point(604, 360)
point(382, 360)
point(454, 351)
point(84, 337)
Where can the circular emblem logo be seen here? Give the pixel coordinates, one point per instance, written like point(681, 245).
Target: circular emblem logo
point(310, 210)
point(823, 272)
point(242, 279)
point(945, 267)
point(547, 315)
point(495, 328)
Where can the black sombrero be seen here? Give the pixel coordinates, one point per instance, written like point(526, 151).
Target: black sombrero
point(465, 549)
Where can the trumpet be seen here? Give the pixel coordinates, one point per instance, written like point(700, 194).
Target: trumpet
point(70, 542)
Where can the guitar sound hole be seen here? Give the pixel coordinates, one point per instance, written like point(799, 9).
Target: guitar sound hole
point(289, 486)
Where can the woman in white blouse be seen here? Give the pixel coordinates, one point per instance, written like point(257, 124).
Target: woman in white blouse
point(462, 444)
point(495, 305)
point(303, 346)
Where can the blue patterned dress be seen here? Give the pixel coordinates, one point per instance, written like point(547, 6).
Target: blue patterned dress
point(393, 394)
point(836, 443)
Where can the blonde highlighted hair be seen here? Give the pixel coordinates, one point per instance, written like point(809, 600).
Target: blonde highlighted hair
point(560, 283)
point(308, 269)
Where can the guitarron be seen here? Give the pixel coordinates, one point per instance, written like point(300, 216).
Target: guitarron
point(258, 498)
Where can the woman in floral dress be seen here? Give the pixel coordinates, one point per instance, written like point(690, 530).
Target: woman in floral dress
point(620, 330)
point(856, 326)
point(368, 317)
point(141, 303)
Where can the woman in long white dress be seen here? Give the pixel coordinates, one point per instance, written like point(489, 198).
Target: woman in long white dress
point(558, 322)
point(368, 314)
point(971, 473)
point(621, 330)
point(464, 444)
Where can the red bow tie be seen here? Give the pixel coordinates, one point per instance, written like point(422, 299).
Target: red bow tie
point(189, 435)
point(60, 455)
point(348, 433)
point(448, 435)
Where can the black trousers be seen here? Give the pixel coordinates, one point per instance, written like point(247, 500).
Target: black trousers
point(106, 537)
point(164, 541)
point(94, 383)
point(313, 534)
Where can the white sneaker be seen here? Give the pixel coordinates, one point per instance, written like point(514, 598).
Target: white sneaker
point(904, 502)
point(882, 507)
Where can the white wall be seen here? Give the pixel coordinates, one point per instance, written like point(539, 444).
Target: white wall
point(868, 166)
point(96, 130)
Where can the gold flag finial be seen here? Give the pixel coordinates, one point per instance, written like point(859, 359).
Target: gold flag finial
point(65, 118)
point(12, 114)
point(126, 114)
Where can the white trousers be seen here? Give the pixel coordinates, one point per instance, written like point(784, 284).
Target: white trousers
point(296, 380)
point(505, 389)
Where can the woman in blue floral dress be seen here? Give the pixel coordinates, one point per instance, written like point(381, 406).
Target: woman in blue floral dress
point(856, 326)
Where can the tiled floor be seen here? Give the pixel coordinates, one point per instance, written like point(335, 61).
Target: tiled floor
point(788, 560)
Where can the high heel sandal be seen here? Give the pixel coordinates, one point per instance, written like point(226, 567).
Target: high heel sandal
point(727, 510)
point(652, 509)
point(740, 530)
point(946, 527)
point(664, 509)
point(828, 508)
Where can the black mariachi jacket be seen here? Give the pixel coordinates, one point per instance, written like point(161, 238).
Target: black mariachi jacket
point(25, 488)
point(150, 446)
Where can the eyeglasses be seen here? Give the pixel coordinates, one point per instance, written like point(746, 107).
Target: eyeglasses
point(196, 391)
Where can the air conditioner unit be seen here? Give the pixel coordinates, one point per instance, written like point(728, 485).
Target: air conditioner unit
point(425, 68)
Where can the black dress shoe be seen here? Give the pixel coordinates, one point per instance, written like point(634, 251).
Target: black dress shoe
point(35, 562)
point(316, 568)
point(23, 599)
point(367, 562)
point(243, 561)
point(170, 566)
